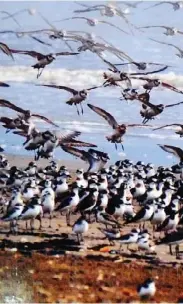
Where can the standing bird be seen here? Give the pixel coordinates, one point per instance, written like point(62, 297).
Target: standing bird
point(147, 289)
point(43, 60)
point(78, 96)
point(120, 130)
point(80, 226)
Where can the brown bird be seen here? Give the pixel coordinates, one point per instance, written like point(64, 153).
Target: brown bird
point(43, 60)
point(6, 50)
point(78, 96)
point(178, 152)
point(119, 130)
point(26, 114)
point(149, 110)
point(179, 132)
point(153, 83)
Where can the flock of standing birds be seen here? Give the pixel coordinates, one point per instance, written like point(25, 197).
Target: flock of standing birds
point(125, 194)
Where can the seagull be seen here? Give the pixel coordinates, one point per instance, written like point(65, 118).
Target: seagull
point(180, 54)
point(179, 132)
point(78, 96)
point(176, 4)
point(42, 60)
point(120, 130)
point(94, 22)
point(170, 31)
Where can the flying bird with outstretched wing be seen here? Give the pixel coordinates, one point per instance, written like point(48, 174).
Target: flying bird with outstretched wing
point(119, 130)
point(78, 95)
point(42, 60)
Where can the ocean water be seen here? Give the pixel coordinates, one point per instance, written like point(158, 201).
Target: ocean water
point(86, 70)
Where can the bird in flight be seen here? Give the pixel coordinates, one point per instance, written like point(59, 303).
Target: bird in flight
point(176, 151)
point(26, 114)
point(42, 60)
point(78, 96)
point(119, 130)
point(176, 4)
point(180, 54)
point(149, 110)
point(179, 132)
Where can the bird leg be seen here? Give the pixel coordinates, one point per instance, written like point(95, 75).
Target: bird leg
point(116, 147)
point(77, 109)
point(122, 146)
point(68, 218)
point(170, 249)
point(78, 238)
point(177, 251)
point(32, 224)
point(39, 73)
point(51, 216)
point(40, 221)
point(81, 108)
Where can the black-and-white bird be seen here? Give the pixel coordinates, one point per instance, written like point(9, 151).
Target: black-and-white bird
point(80, 227)
point(147, 289)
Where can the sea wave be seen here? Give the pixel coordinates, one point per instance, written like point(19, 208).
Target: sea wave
point(84, 77)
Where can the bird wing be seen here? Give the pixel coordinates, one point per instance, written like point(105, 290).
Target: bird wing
point(66, 53)
point(158, 26)
point(168, 86)
point(3, 84)
point(170, 44)
point(78, 143)
point(5, 120)
point(45, 119)
point(111, 24)
point(33, 54)
point(59, 87)
point(40, 41)
point(8, 104)
point(178, 152)
point(179, 125)
point(174, 104)
point(138, 125)
point(159, 3)
point(73, 151)
point(6, 50)
point(67, 137)
point(152, 72)
point(110, 119)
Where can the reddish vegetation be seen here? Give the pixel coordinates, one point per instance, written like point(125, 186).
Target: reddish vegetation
point(89, 279)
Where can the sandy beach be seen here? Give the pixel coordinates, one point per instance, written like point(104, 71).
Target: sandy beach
point(52, 252)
